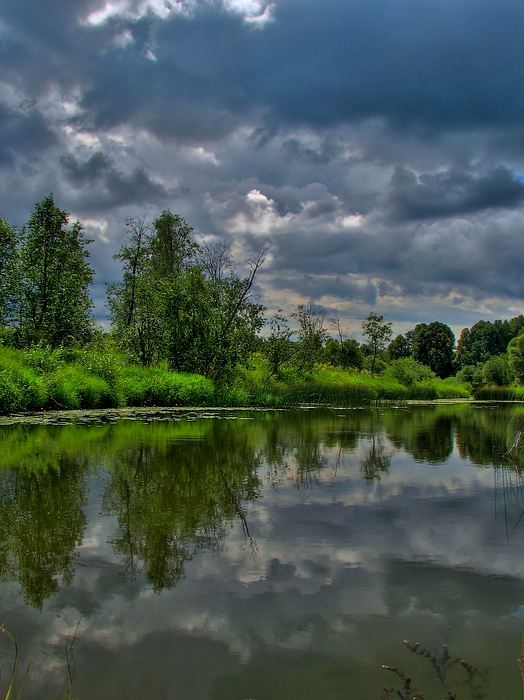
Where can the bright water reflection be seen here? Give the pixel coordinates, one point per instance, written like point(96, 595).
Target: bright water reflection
point(276, 555)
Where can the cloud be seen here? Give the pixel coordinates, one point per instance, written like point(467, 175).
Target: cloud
point(446, 194)
point(373, 145)
point(104, 186)
point(25, 132)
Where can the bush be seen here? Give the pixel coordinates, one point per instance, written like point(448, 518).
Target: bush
point(496, 371)
point(409, 372)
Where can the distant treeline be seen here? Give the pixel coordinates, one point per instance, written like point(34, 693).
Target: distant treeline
point(183, 305)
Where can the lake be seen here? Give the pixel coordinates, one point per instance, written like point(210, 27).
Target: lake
point(265, 555)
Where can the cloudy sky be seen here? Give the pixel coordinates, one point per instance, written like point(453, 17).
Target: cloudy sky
point(374, 147)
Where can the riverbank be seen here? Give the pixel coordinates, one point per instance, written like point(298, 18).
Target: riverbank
point(60, 380)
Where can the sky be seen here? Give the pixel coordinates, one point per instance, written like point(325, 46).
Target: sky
point(373, 148)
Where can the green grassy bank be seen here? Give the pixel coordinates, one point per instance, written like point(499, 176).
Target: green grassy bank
point(41, 379)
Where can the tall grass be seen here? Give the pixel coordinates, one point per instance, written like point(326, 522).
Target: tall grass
point(499, 393)
point(99, 377)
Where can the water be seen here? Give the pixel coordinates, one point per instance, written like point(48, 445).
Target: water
point(264, 555)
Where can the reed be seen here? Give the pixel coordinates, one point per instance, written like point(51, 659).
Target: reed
point(11, 691)
point(499, 393)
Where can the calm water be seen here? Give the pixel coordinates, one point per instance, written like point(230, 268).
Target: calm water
point(268, 556)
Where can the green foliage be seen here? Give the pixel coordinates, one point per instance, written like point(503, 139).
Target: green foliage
point(345, 354)
point(401, 346)
point(433, 345)
point(54, 306)
point(497, 371)
point(451, 388)
point(408, 371)
point(499, 393)
point(311, 337)
point(378, 333)
point(9, 237)
point(516, 357)
point(485, 340)
point(376, 366)
point(182, 304)
point(20, 388)
point(157, 386)
point(277, 347)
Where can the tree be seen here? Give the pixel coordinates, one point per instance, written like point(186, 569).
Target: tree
point(170, 244)
point(277, 347)
point(481, 342)
point(311, 335)
point(496, 371)
point(345, 354)
point(401, 346)
point(433, 345)
point(8, 258)
point(378, 333)
point(54, 277)
point(181, 303)
point(134, 303)
point(516, 357)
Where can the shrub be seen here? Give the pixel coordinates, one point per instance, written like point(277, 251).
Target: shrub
point(408, 371)
point(496, 371)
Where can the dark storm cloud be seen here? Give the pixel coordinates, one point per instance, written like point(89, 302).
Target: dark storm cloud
point(477, 258)
point(407, 114)
point(316, 287)
point(329, 150)
point(23, 132)
point(97, 166)
point(105, 187)
point(440, 65)
point(444, 194)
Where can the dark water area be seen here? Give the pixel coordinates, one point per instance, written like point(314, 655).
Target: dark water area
point(265, 555)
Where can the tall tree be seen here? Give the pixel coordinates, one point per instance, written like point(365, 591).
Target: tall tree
point(378, 334)
point(180, 303)
point(433, 345)
point(481, 342)
point(134, 307)
point(516, 357)
point(312, 336)
point(54, 277)
point(8, 258)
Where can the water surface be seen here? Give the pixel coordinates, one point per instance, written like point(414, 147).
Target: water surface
point(265, 555)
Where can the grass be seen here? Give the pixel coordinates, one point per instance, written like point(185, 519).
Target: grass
point(97, 377)
point(499, 393)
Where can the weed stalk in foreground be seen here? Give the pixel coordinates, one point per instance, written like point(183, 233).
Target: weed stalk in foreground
point(11, 687)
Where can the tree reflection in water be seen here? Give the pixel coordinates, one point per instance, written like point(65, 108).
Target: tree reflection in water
point(173, 501)
point(176, 488)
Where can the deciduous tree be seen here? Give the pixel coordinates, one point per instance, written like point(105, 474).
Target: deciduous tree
point(54, 278)
point(378, 334)
point(433, 345)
